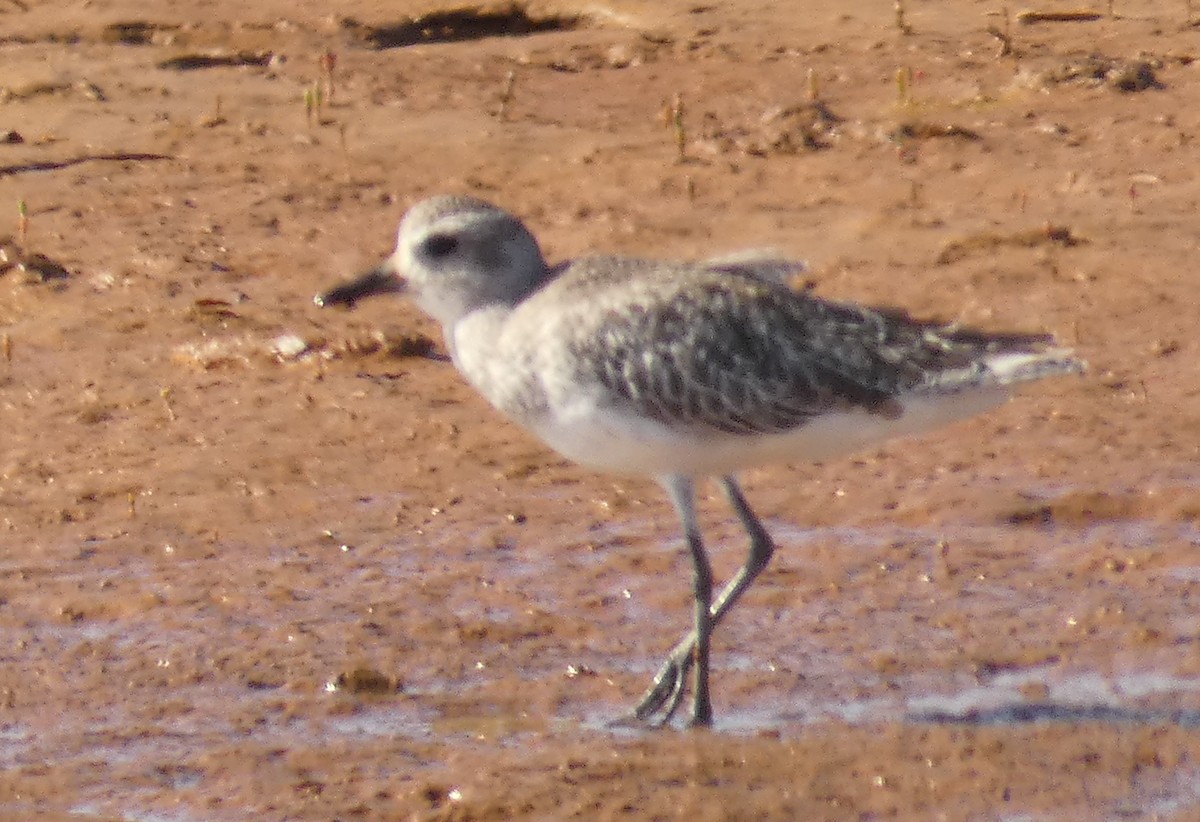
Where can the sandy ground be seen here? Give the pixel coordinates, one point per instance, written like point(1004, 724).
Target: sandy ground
point(259, 561)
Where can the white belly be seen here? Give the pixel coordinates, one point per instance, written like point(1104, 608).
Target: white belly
point(610, 441)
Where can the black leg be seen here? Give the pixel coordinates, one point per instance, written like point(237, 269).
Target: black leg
point(683, 496)
point(666, 692)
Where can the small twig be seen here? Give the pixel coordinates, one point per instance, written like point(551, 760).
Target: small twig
point(22, 222)
point(166, 394)
point(6, 345)
point(1003, 35)
point(1006, 48)
point(677, 126)
point(1079, 16)
point(328, 63)
point(54, 165)
point(506, 94)
point(904, 77)
point(814, 86)
point(216, 118)
point(311, 103)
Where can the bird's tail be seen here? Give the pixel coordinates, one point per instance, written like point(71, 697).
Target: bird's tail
point(1012, 367)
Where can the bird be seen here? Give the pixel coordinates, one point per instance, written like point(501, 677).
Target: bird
point(683, 371)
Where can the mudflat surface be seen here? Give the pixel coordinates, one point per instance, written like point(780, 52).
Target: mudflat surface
point(259, 561)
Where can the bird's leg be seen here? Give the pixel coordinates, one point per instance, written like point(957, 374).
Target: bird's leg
point(682, 494)
point(666, 692)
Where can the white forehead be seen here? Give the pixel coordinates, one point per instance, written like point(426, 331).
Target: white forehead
point(448, 215)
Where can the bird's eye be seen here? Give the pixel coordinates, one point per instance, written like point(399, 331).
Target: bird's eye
point(439, 245)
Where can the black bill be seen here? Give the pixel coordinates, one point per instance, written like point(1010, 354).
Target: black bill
point(379, 280)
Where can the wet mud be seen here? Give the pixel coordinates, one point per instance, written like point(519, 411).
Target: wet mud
point(260, 561)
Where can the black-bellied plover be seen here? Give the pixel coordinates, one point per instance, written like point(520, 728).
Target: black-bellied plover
point(685, 370)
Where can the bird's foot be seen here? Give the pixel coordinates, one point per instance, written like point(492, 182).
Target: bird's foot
point(666, 692)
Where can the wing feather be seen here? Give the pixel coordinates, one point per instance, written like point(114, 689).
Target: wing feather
point(715, 347)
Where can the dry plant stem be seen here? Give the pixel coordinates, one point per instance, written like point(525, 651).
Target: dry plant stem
point(814, 87)
point(6, 345)
point(1004, 35)
point(310, 105)
point(1006, 48)
point(904, 78)
point(328, 62)
point(22, 222)
point(1077, 16)
point(506, 94)
point(50, 165)
point(166, 393)
point(677, 126)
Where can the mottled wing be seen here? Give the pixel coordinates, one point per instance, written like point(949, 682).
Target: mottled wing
point(719, 349)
